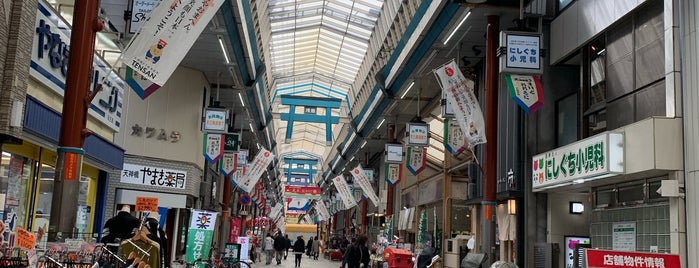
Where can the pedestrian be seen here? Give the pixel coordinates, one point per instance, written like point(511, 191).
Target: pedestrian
point(344, 247)
point(269, 247)
point(288, 246)
point(315, 248)
point(309, 247)
point(358, 253)
point(279, 246)
point(299, 247)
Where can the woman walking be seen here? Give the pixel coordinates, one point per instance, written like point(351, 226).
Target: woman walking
point(315, 248)
point(358, 253)
point(299, 247)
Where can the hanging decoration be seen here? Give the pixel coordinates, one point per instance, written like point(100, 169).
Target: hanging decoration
point(201, 234)
point(454, 139)
point(416, 160)
point(422, 229)
point(213, 147)
point(393, 173)
point(526, 90)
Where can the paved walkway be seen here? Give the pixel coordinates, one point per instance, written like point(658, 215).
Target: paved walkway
point(306, 262)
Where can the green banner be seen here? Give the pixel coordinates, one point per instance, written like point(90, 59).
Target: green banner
point(200, 236)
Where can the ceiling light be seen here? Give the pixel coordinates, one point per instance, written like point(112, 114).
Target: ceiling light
point(380, 124)
point(351, 159)
point(457, 28)
point(223, 49)
point(251, 128)
point(412, 83)
point(241, 99)
point(363, 144)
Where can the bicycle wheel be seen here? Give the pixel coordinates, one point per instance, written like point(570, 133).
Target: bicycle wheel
point(240, 264)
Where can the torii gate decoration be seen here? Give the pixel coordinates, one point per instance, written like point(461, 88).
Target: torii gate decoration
point(309, 115)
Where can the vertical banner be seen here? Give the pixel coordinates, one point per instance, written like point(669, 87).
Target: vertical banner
point(467, 111)
point(234, 231)
point(213, 147)
point(322, 210)
point(361, 178)
point(258, 166)
point(242, 157)
point(140, 84)
point(167, 36)
point(237, 177)
point(229, 164)
point(244, 242)
point(454, 140)
point(416, 160)
point(393, 173)
point(344, 191)
point(200, 237)
point(526, 90)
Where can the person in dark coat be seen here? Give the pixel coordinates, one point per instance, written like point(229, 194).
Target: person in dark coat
point(121, 226)
point(358, 253)
point(299, 247)
point(288, 245)
point(279, 246)
point(309, 246)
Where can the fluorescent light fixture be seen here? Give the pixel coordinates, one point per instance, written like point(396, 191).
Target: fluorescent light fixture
point(251, 128)
point(412, 83)
point(578, 181)
point(576, 207)
point(363, 144)
point(223, 49)
point(380, 124)
point(241, 99)
point(456, 29)
point(352, 159)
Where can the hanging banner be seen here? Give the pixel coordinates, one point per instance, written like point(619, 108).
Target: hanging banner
point(231, 142)
point(213, 147)
point(200, 237)
point(344, 192)
point(277, 210)
point(229, 163)
point(454, 140)
point(302, 191)
point(459, 91)
point(297, 205)
point(361, 179)
point(322, 210)
point(237, 177)
point(234, 231)
point(242, 157)
point(140, 84)
point(167, 36)
point(526, 90)
point(393, 173)
point(416, 160)
point(258, 166)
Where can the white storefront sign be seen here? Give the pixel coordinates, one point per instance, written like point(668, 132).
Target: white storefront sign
point(624, 236)
point(522, 52)
point(154, 176)
point(593, 158)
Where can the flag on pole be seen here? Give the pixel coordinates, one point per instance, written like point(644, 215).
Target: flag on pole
point(167, 36)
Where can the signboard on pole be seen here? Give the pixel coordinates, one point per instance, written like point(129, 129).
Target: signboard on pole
point(229, 163)
point(454, 139)
point(200, 237)
point(258, 166)
point(526, 90)
point(344, 192)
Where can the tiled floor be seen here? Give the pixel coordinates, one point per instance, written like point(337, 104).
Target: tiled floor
point(306, 262)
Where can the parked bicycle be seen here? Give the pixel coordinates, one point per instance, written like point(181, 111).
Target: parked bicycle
point(215, 263)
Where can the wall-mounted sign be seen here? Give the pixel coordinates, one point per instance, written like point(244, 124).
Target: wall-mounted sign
point(153, 176)
point(592, 158)
point(159, 134)
point(140, 12)
point(394, 153)
point(522, 52)
point(418, 134)
point(215, 120)
point(231, 142)
point(49, 65)
point(620, 259)
point(624, 236)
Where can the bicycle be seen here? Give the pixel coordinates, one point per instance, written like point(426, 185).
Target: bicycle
point(213, 263)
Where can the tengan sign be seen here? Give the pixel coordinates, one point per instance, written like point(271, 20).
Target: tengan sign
point(592, 158)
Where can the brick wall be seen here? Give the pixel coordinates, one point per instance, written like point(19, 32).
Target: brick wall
point(17, 19)
point(194, 177)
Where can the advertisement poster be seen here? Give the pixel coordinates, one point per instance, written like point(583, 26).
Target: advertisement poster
point(624, 236)
point(244, 242)
point(236, 227)
point(570, 242)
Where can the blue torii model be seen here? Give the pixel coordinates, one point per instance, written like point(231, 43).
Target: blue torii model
point(328, 118)
point(306, 162)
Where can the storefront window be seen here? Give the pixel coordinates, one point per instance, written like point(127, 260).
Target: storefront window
point(14, 180)
point(567, 120)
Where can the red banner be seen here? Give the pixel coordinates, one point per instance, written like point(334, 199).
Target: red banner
point(236, 227)
point(301, 190)
point(619, 259)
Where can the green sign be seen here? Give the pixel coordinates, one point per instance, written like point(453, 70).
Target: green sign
point(231, 142)
point(200, 236)
point(231, 253)
point(594, 157)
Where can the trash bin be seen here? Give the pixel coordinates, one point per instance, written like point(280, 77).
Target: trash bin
point(398, 258)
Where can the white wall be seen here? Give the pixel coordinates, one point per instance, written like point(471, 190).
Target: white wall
point(174, 107)
point(561, 223)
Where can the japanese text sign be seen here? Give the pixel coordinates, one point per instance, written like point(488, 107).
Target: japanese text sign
point(361, 178)
point(153, 176)
point(146, 203)
point(25, 239)
point(618, 259)
point(522, 52)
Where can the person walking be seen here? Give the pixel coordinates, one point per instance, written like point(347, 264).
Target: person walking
point(344, 248)
point(279, 246)
point(358, 253)
point(269, 246)
point(299, 247)
point(309, 247)
point(315, 248)
point(288, 245)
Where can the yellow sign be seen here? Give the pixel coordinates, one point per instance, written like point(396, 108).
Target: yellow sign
point(146, 203)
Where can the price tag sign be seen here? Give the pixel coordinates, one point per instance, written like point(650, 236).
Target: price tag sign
point(25, 240)
point(146, 203)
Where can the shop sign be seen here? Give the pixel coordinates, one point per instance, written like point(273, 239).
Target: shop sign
point(215, 120)
point(201, 233)
point(454, 139)
point(526, 90)
point(618, 259)
point(140, 12)
point(360, 178)
point(593, 158)
point(25, 239)
point(146, 203)
point(231, 142)
point(228, 163)
point(393, 172)
point(416, 160)
point(302, 191)
point(151, 132)
point(522, 52)
point(394, 153)
point(418, 134)
point(49, 65)
point(153, 176)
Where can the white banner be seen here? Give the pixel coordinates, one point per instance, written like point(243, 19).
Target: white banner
point(459, 91)
point(203, 220)
point(154, 176)
point(229, 163)
point(344, 192)
point(322, 210)
point(258, 166)
point(361, 179)
point(213, 147)
point(167, 36)
point(277, 210)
